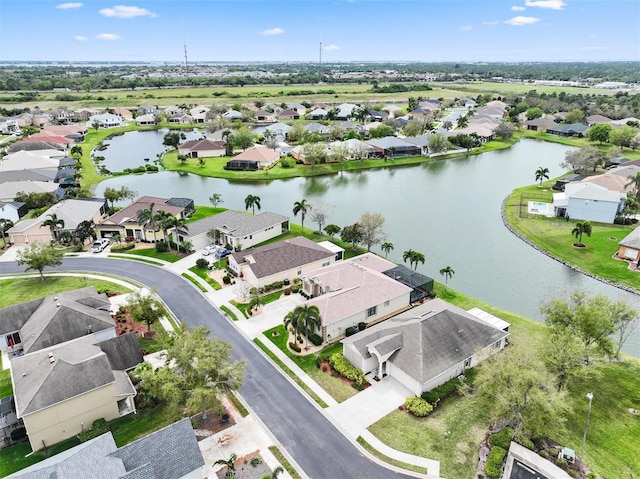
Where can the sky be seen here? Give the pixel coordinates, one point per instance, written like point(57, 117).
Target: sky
point(292, 30)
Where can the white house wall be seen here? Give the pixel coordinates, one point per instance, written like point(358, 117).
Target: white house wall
point(591, 210)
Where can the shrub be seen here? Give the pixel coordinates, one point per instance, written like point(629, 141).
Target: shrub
point(562, 463)
point(162, 247)
point(295, 347)
point(324, 368)
point(450, 387)
point(287, 291)
point(226, 279)
point(502, 439)
point(350, 331)
point(122, 247)
point(528, 443)
point(573, 473)
point(98, 428)
point(357, 387)
point(128, 239)
point(493, 467)
point(362, 326)
point(544, 454)
point(340, 364)
point(296, 288)
point(418, 406)
point(255, 461)
point(315, 339)
point(202, 263)
point(591, 475)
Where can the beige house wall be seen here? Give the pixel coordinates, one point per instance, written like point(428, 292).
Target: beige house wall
point(68, 418)
point(32, 234)
point(629, 253)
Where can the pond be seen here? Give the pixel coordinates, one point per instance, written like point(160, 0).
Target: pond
point(449, 210)
point(136, 148)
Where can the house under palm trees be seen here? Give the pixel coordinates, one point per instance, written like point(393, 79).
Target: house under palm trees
point(127, 224)
point(66, 216)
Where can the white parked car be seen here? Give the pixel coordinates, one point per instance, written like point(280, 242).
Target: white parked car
point(210, 249)
point(99, 245)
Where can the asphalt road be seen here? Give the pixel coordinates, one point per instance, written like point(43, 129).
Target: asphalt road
point(315, 443)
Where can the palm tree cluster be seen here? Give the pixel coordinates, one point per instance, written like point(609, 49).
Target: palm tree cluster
point(303, 320)
point(413, 257)
point(160, 221)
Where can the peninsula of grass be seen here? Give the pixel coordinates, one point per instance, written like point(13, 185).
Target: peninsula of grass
point(20, 290)
point(204, 275)
point(553, 235)
point(452, 433)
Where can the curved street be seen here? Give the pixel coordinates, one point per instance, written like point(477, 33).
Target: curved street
point(317, 446)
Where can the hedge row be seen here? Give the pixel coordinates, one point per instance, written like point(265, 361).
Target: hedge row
point(502, 439)
point(295, 347)
point(450, 387)
point(315, 339)
point(340, 364)
point(493, 467)
point(418, 406)
point(122, 247)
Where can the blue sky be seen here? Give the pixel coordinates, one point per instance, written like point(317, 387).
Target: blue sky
point(291, 30)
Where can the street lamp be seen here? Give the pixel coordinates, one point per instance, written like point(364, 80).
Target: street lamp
point(586, 424)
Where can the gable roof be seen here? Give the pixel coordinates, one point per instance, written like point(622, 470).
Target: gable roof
point(78, 366)
point(236, 223)
point(129, 214)
point(202, 145)
point(42, 323)
point(591, 191)
point(75, 211)
point(169, 453)
point(632, 240)
point(258, 153)
point(435, 337)
point(282, 256)
point(123, 352)
point(388, 142)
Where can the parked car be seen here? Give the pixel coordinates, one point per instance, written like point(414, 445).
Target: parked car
point(223, 253)
point(99, 245)
point(209, 249)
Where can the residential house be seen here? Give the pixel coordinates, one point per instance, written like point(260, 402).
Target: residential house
point(588, 201)
point(71, 211)
point(234, 115)
point(10, 127)
point(253, 158)
point(317, 114)
point(630, 246)
point(560, 184)
point(288, 115)
point(173, 110)
point(238, 229)
point(426, 346)
point(61, 390)
point(594, 119)
point(12, 211)
point(33, 144)
point(354, 291)
point(125, 222)
point(376, 115)
point(523, 463)
point(354, 149)
point(497, 104)
point(421, 141)
point(169, 453)
point(390, 146)
point(263, 116)
point(105, 120)
point(345, 111)
point(74, 131)
point(143, 120)
point(421, 285)
point(61, 115)
point(318, 129)
point(180, 119)
point(569, 130)
point(10, 189)
point(540, 124)
point(83, 114)
point(493, 112)
point(484, 133)
point(297, 107)
point(123, 113)
point(199, 110)
point(278, 261)
point(55, 319)
point(625, 121)
point(146, 110)
point(203, 148)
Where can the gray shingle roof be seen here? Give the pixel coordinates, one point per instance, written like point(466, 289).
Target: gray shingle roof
point(235, 223)
point(632, 240)
point(435, 337)
point(122, 351)
point(282, 256)
point(79, 366)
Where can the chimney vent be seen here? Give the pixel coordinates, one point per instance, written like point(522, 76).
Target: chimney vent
point(51, 358)
point(57, 305)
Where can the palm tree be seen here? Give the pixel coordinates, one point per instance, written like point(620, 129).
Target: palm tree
point(448, 273)
point(230, 463)
point(291, 320)
point(76, 150)
point(308, 319)
point(146, 217)
point(303, 208)
point(257, 300)
point(582, 227)
point(214, 235)
point(54, 223)
point(542, 174)
point(176, 223)
point(228, 142)
point(273, 475)
point(387, 247)
point(414, 258)
point(163, 220)
point(252, 202)
point(215, 199)
point(635, 182)
point(270, 139)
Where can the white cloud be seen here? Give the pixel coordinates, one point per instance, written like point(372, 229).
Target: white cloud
point(123, 11)
point(272, 31)
point(518, 8)
point(80, 38)
point(466, 28)
point(108, 36)
point(551, 4)
point(331, 48)
point(68, 5)
point(494, 22)
point(519, 21)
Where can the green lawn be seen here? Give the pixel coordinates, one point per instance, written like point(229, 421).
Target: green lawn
point(193, 281)
point(203, 273)
point(204, 212)
point(6, 388)
point(554, 235)
point(168, 256)
point(20, 290)
point(230, 313)
point(335, 387)
point(134, 258)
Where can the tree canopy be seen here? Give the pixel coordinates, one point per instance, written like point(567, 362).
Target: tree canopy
point(372, 228)
point(38, 256)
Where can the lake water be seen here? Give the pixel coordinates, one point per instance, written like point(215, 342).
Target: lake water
point(130, 149)
point(449, 210)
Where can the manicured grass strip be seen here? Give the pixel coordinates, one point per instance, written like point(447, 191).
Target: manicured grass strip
point(285, 463)
point(134, 426)
point(238, 404)
point(133, 258)
point(231, 314)
point(194, 281)
point(204, 274)
point(6, 388)
point(269, 298)
point(204, 212)
point(167, 256)
point(291, 374)
point(394, 462)
point(20, 290)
